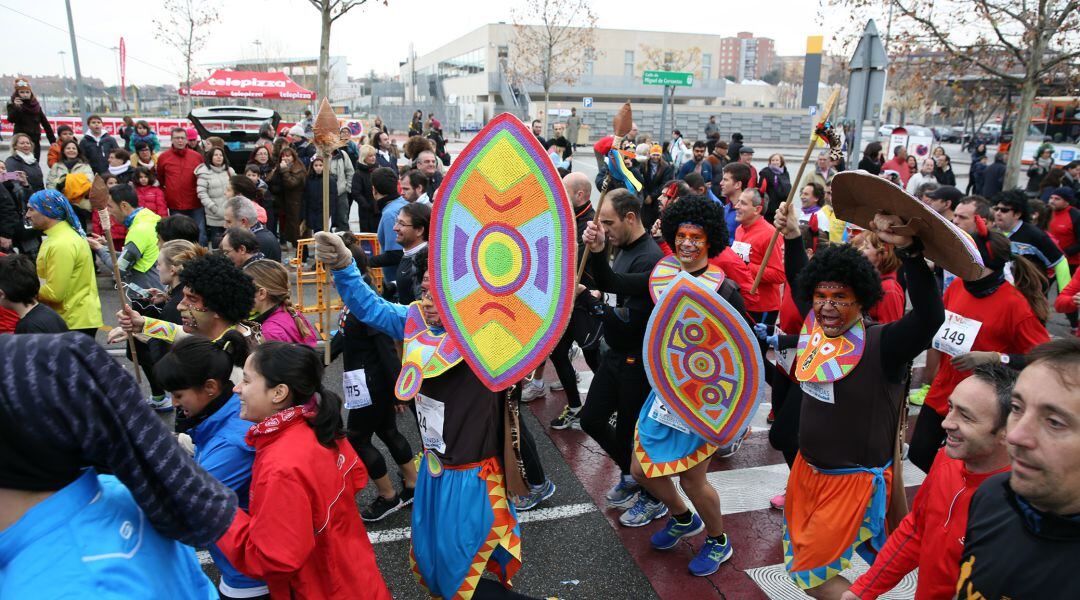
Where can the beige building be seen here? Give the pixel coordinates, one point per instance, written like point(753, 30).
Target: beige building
point(745, 56)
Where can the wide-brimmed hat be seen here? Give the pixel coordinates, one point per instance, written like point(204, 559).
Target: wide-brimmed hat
point(857, 196)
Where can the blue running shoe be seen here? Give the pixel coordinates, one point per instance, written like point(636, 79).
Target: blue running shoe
point(624, 494)
point(536, 495)
point(713, 553)
point(644, 511)
point(666, 538)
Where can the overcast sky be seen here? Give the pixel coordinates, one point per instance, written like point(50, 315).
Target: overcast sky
point(372, 36)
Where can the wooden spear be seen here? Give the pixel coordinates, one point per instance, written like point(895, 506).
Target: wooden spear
point(621, 124)
point(326, 140)
point(99, 201)
point(791, 194)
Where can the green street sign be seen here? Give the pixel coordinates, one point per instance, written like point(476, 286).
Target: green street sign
point(667, 78)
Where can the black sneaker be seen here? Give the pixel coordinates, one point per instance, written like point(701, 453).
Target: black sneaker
point(407, 495)
point(567, 419)
point(381, 508)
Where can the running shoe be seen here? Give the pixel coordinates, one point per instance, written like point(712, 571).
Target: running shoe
point(532, 390)
point(381, 508)
point(161, 404)
point(666, 538)
point(772, 417)
point(713, 553)
point(731, 449)
point(407, 494)
point(537, 494)
point(917, 397)
point(644, 511)
point(557, 385)
point(777, 501)
point(624, 494)
point(567, 419)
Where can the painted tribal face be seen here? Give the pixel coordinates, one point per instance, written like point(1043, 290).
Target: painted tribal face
point(691, 246)
point(835, 307)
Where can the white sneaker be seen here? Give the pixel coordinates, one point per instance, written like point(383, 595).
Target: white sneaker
point(533, 390)
point(557, 385)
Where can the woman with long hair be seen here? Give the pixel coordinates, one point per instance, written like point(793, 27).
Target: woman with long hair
point(301, 532)
point(774, 183)
point(872, 159)
point(274, 308)
point(361, 194)
point(988, 320)
point(25, 160)
point(211, 177)
point(287, 186)
point(891, 306)
point(199, 374)
point(71, 160)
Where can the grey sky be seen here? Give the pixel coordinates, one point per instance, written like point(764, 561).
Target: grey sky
point(372, 36)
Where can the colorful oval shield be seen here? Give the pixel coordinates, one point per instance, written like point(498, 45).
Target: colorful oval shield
point(702, 359)
point(501, 253)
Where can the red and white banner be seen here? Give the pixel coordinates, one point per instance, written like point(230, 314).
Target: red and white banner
point(249, 84)
point(163, 127)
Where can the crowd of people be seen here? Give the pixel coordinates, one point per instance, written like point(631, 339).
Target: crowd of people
point(241, 447)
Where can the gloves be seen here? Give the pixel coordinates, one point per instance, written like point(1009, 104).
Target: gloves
point(331, 251)
point(761, 330)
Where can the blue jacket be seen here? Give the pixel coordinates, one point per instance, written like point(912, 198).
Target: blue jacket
point(386, 235)
point(220, 448)
point(688, 167)
point(729, 215)
point(366, 305)
point(90, 540)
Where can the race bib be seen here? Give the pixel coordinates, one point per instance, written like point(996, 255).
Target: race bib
point(430, 414)
point(659, 412)
point(742, 249)
point(956, 335)
point(356, 391)
point(819, 391)
point(785, 359)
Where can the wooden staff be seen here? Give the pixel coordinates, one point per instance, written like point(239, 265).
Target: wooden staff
point(791, 194)
point(106, 226)
point(326, 140)
point(622, 123)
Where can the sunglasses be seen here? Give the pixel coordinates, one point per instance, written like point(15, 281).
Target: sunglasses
point(1003, 209)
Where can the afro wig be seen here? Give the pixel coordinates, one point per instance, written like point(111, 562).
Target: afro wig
point(700, 211)
point(842, 264)
point(224, 288)
point(415, 145)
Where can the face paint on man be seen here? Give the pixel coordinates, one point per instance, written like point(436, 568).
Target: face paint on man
point(691, 246)
point(193, 315)
point(835, 307)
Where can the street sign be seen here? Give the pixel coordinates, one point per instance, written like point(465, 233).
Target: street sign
point(674, 78)
point(813, 109)
point(586, 102)
point(866, 84)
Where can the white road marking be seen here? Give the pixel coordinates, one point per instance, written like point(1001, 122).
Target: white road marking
point(544, 514)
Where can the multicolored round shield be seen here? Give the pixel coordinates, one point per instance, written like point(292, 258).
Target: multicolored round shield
point(501, 253)
point(702, 359)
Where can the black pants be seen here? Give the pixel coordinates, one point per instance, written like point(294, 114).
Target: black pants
point(378, 419)
point(786, 403)
point(585, 331)
point(620, 385)
point(214, 235)
point(90, 331)
point(926, 439)
point(489, 589)
point(530, 457)
point(339, 212)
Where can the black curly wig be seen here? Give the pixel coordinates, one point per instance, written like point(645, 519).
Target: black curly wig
point(842, 264)
point(225, 289)
point(697, 210)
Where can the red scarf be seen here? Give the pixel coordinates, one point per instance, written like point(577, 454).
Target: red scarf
point(279, 421)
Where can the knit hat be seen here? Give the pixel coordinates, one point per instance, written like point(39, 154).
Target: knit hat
point(656, 150)
point(76, 185)
point(297, 131)
point(22, 83)
point(192, 135)
point(1066, 193)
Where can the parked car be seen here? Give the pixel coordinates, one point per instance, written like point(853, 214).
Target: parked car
point(237, 125)
point(946, 133)
point(885, 130)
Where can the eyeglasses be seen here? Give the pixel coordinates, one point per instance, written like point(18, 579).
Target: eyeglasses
point(821, 302)
point(1003, 209)
point(697, 242)
point(401, 223)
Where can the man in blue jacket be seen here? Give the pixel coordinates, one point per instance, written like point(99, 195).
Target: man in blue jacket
point(698, 164)
point(384, 185)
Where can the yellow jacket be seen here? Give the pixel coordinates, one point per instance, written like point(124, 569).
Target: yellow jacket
point(66, 267)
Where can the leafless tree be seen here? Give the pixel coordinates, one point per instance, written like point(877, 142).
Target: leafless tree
point(186, 28)
point(330, 11)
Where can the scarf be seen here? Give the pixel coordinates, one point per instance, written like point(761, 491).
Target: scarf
point(811, 209)
point(26, 158)
point(55, 205)
point(119, 170)
point(282, 420)
point(31, 106)
point(70, 163)
point(981, 288)
point(777, 170)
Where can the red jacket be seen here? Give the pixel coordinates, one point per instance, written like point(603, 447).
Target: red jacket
point(1064, 229)
point(1064, 302)
point(176, 175)
point(153, 198)
point(891, 306)
point(758, 235)
point(732, 266)
point(302, 533)
point(901, 167)
point(936, 523)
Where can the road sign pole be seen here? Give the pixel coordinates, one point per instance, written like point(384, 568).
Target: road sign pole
point(663, 117)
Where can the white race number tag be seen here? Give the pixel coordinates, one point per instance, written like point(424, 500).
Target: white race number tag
point(430, 413)
point(956, 335)
point(659, 412)
point(356, 390)
point(819, 391)
point(742, 249)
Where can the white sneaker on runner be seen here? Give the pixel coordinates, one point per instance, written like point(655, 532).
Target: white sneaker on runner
point(532, 390)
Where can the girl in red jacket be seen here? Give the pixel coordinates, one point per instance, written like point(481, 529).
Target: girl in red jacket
point(150, 195)
point(891, 306)
point(302, 533)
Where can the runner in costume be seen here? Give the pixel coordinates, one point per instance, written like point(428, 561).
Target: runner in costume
point(852, 376)
point(664, 443)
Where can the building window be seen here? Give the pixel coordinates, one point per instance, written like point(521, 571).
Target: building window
point(706, 66)
point(628, 63)
point(590, 60)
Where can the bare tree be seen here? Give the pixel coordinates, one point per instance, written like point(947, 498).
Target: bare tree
point(664, 59)
point(330, 11)
point(1016, 45)
point(556, 49)
point(186, 29)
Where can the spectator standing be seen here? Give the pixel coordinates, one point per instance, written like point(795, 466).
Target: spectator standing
point(384, 184)
point(899, 164)
point(350, 148)
point(150, 195)
point(144, 157)
point(678, 151)
point(211, 179)
point(313, 196)
point(262, 161)
point(774, 185)
point(655, 173)
point(943, 171)
point(925, 175)
point(71, 160)
point(63, 134)
point(287, 186)
point(994, 177)
point(96, 145)
point(300, 141)
point(427, 163)
point(341, 169)
point(387, 152)
point(176, 175)
point(26, 116)
point(361, 190)
point(24, 159)
point(573, 126)
point(142, 133)
point(1040, 168)
point(746, 157)
point(872, 159)
point(120, 166)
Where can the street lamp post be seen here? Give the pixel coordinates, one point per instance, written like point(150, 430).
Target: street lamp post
point(78, 71)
